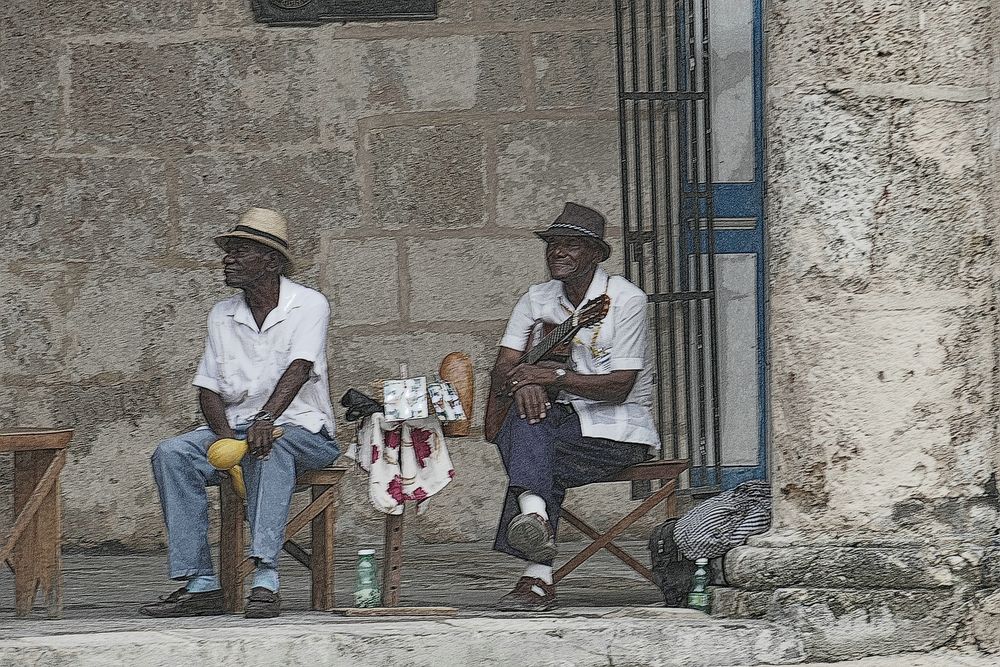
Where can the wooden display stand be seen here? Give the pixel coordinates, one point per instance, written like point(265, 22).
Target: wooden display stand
point(392, 579)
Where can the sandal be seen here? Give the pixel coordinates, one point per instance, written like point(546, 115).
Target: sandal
point(523, 598)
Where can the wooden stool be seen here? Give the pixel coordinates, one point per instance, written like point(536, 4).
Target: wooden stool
point(666, 471)
point(234, 566)
point(32, 546)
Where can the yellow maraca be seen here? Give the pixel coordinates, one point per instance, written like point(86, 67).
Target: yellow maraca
point(226, 454)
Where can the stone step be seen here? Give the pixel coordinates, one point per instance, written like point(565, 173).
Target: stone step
point(579, 637)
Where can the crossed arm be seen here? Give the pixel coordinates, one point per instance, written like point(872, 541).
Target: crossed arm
point(259, 436)
point(530, 384)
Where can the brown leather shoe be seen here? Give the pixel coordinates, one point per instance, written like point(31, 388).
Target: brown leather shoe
point(522, 598)
point(532, 535)
point(262, 603)
point(183, 603)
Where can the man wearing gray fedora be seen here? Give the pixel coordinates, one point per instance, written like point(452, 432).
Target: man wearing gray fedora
point(264, 365)
point(573, 422)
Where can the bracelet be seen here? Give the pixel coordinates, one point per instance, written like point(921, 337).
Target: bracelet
point(262, 416)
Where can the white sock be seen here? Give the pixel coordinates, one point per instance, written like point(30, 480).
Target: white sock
point(532, 504)
point(539, 571)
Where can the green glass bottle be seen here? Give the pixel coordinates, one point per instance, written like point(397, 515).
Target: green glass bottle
point(366, 590)
point(698, 597)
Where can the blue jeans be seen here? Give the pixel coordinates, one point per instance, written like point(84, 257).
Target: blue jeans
point(182, 471)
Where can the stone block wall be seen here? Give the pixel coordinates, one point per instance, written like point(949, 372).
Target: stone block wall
point(412, 159)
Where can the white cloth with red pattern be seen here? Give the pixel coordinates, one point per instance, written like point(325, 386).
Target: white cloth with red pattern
point(404, 460)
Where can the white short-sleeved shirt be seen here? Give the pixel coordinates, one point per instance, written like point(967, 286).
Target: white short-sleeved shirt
point(621, 344)
point(243, 364)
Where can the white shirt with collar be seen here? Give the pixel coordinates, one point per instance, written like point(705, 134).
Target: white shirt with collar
point(619, 342)
point(243, 363)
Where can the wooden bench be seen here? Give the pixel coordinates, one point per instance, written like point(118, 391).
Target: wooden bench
point(664, 470)
point(32, 547)
point(321, 512)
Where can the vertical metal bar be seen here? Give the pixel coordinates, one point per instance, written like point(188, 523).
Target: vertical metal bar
point(710, 229)
point(669, 242)
point(623, 137)
point(637, 152)
point(696, 158)
point(683, 157)
point(651, 121)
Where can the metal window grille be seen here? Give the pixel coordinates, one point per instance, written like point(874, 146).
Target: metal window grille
point(665, 146)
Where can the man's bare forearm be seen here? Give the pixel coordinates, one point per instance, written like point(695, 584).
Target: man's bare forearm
point(613, 387)
point(288, 386)
point(214, 411)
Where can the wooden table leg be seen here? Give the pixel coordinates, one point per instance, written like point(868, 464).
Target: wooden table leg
point(392, 573)
point(50, 528)
point(321, 561)
point(36, 557)
point(232, 544)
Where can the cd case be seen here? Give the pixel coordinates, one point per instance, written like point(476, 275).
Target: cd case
point(405, 399)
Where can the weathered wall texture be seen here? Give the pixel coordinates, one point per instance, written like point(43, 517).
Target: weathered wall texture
point(412, 159)
point(882, 218)
point(882, 266)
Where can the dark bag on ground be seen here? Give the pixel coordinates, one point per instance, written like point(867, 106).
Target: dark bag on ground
point(708, 530)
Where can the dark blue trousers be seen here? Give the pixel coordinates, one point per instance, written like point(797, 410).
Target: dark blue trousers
point(551, 456)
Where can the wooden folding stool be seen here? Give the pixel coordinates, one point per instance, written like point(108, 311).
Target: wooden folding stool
point(234, 566)
point(666, 471)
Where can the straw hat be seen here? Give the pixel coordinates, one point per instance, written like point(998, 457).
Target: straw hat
point(262, 225)
point(578, 220)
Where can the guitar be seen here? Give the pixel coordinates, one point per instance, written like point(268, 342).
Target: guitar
point(555, 339)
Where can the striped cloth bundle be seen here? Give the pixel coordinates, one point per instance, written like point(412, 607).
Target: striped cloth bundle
point(725, 521)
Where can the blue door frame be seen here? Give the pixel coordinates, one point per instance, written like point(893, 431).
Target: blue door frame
point(745, 201)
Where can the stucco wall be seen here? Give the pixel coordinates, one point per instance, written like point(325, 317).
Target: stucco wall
point(412, 160)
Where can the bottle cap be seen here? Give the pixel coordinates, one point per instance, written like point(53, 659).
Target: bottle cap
point(701, 561)
point(369, 552)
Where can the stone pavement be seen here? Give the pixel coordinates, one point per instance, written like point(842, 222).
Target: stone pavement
point(608, 616)
point(471, 576)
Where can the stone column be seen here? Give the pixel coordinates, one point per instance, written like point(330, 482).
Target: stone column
point(881, 211)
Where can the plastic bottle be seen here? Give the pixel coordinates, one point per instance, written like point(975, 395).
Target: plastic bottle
point(366, 590)
point(698, 597)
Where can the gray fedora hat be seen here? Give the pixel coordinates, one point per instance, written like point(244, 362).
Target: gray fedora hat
point(578, 220)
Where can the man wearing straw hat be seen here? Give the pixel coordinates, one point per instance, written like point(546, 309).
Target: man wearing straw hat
point(264, 365)
point(572, 424)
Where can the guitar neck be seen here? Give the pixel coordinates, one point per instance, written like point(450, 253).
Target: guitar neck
point(551, 340)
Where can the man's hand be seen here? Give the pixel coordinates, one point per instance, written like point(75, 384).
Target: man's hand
point(531, 402)
point(525, 374)
point(260, 439)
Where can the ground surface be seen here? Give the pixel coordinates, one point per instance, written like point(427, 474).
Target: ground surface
point(607, 615)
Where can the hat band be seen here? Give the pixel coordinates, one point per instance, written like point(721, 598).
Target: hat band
point(256, 232)
point(586, 231)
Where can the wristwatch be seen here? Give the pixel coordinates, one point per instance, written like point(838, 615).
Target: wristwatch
point(262, 416)
point(560, 375)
